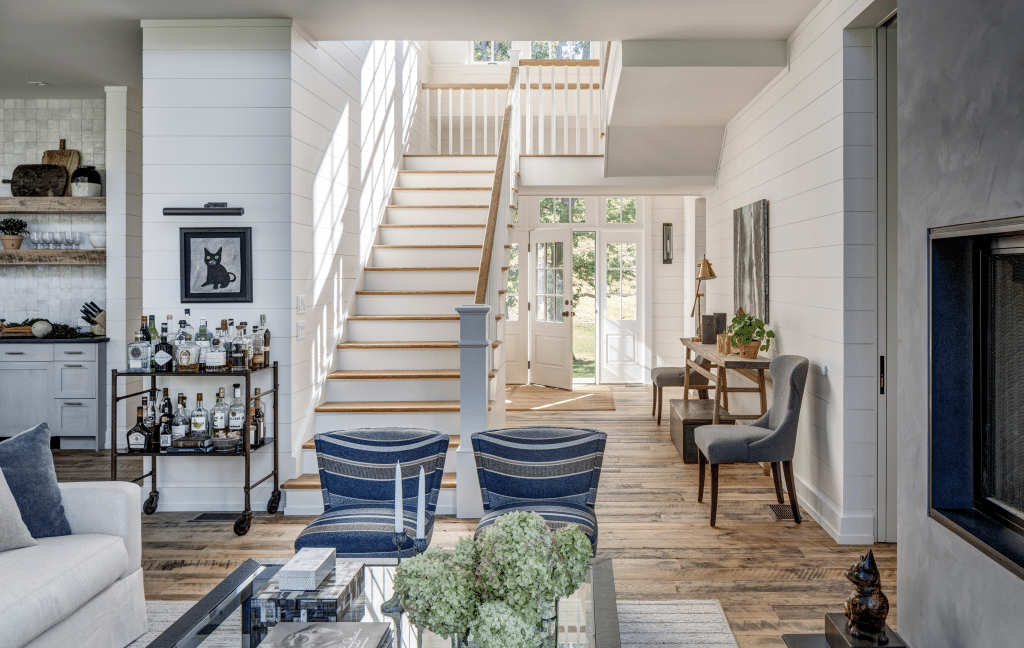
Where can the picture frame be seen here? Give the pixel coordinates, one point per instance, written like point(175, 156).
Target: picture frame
point(750, 259)
point(216, 264)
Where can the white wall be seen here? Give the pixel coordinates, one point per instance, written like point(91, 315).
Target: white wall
point(672, 284)
point(798, 144)
point(354, 113)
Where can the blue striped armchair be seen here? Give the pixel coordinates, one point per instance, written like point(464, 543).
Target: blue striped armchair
point(357, 478)
point(552, 471)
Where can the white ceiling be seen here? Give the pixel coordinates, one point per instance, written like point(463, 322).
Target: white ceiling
point(82, 45)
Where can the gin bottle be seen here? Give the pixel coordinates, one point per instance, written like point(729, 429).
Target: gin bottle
point(153, 335)
point(236, 413)
point(203, 341)
point(182, 420)
point(163, 353)
point(257, 348)
point(140, 355)
point(219, 415)
point(200, 418)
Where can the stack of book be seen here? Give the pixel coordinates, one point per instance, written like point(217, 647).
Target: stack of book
point(322, 635)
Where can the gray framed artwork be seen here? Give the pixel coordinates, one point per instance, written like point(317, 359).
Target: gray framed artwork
point(750, 259)
point(216, 264)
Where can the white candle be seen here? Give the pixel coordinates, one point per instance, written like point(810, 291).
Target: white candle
point(421, 509)
point(399, 522)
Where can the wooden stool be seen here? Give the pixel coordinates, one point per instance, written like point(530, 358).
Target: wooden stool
point(684, 417)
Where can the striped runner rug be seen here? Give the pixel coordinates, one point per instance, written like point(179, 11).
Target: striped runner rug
point(658, 624)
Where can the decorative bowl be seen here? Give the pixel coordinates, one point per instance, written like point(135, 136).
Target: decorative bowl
point(225, 444)
point(99, 241)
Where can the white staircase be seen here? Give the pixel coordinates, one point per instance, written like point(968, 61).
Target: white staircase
point(399, 365)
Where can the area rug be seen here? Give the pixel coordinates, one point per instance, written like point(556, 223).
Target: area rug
point(655, 624)
point(534, 398)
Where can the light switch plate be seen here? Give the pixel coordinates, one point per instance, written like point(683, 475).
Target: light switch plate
point(300, 304)
point(300, 330)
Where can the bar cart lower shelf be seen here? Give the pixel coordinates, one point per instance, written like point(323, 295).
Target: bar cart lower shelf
point(149, 507)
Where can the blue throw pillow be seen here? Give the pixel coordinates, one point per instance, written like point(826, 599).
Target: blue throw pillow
point(27, 464)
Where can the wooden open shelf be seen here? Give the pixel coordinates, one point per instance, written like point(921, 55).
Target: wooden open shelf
point(64, 205)
point(53, 257)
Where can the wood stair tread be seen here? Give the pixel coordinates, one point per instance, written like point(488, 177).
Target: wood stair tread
point(446, 171)
point(392, 374)
point(390, 406)
point(437, 207)
point(453, 442)
point(306, 482)
point(447, 155)
point(447, 480)
point(420, 269)
point(400, 318)
point(415, 292)
point(428, 247)
point(397, 344)
point(430, 225)
point(441, 189)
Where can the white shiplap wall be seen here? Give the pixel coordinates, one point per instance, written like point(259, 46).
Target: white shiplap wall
point(354, 113)
point(217, 126)
point(672, 284)
point(799, 144)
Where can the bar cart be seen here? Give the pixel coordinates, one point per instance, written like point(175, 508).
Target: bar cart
point(243, 523)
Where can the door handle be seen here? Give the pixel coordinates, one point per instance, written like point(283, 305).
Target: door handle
point(565, 313)
point(75, 404)
point(574, 313)
point(72, 353)
point(14, 353)
point(72, 365)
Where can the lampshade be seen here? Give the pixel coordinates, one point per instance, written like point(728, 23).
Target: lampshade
point(704, 270)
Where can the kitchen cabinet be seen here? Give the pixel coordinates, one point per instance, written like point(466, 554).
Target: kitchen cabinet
point(60, 382)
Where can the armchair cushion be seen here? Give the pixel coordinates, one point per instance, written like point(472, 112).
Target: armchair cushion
point(27, 464)
point(362, 531)
point(557, 516)
point(727, 443)
point(110, 508)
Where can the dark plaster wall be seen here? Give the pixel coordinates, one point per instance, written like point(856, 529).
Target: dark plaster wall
point(961, 159)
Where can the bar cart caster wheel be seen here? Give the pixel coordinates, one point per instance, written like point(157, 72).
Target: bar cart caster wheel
point(242, 525)
point(274, 503)
point(149, 506)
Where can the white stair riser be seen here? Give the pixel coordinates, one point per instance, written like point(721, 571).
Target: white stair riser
point(440, 197)
point(445, 502)
point(444, 422)
point(451, 163)
point(420, 280)
point(310, 466)
point(446, 180)
point(371, 359)
point(420, 389)
point(303, 501)
point(418, 215)
point(431, 235)
point(409, 304)
point(402, 330)
point(426, 257)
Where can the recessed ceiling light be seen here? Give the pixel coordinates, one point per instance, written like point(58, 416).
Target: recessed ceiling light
point(38, 83)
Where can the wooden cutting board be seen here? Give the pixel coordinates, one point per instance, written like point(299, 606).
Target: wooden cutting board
point(67, 158)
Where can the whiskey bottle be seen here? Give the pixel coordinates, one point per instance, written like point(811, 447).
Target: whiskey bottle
point(204, 342)
point(257, 348)
point(164, 425)
point(182, 420)
point(257, 429)
point(216, 358)
point(138, 436)
point(140, 355)
point(148, 413)
point(266, 340)
point(166, 406)
point(144, 329)
point(219, 415)
point(239, 352)
point(163, 353)
point(190, 332)
point(200, 419)
point(186, 356)
point(236, 414)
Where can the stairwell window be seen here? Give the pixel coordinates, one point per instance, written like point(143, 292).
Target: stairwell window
point(491, 51)
point(572, 50)
point(563, 210)
point(620, 211)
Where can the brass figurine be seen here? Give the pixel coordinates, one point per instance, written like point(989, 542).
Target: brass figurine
point(868, 606)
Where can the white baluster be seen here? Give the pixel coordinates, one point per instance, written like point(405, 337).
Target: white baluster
point(554, 119)
point(499, 113)
point(426, 115)
point(473, 114)
point(529, 112)
point(579, 101)
point(565, 117)
point(439, 91)
point(451, 122)
point(485, 120)
point(590, 114)
point(462, 121)
point(540, 110)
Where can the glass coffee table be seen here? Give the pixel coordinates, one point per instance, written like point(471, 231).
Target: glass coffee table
point(587, 619)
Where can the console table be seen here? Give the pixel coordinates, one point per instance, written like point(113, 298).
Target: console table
point(752, 370)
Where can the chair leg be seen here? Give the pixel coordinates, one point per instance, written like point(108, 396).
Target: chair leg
point(654, 395)
point(714, 492)
point(777, 478)
point(660, 395)
point(787, 467)
point(700, 475)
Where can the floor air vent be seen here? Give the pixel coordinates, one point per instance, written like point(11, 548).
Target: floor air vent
point(781, 512)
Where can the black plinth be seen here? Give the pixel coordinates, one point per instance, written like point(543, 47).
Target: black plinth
point(839, 637)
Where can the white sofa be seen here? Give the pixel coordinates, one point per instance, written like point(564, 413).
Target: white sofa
point(83, 590)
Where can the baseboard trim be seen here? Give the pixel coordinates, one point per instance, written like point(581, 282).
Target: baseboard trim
point(845, 529)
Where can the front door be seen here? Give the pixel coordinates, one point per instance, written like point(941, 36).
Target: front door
point(550, 308)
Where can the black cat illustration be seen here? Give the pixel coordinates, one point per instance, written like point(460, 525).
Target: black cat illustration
point(868, 606)
point(216, 274)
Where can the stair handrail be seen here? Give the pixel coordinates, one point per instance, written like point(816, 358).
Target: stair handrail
point(504, 177)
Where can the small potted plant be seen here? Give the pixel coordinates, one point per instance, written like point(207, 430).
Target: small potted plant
point(12, 232)
point(749, 336)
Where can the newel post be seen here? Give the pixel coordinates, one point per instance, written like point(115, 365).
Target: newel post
point(474, 365)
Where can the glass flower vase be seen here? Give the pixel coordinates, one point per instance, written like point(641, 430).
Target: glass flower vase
point(548, 625)
point(462, 641)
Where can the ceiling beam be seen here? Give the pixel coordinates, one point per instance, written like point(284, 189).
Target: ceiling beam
point(721, 52)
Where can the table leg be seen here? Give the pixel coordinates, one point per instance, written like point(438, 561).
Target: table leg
point(718, 394)
point(723, 384)
point(761, 387)
point(686, 376)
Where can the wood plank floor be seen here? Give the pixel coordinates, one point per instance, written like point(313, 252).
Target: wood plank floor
point(771, 577)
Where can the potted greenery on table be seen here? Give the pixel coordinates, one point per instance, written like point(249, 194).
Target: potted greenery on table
point(749, 336)
point(12, 232)
point(502, 588)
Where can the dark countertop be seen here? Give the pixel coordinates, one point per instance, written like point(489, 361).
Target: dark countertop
point(35, 340)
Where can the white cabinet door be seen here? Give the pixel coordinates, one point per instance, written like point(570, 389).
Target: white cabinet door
point(74, 379)
point(551, 308)
point(25, 397)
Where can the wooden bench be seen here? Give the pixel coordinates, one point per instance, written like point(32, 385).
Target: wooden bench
point(686, 416)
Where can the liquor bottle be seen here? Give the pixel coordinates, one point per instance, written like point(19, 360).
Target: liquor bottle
point(257, 430)
point(239, 352)
point(148, 413)
point(138, 436)
point(140, 355)
point(219, 415)
point(144, 329)
point(186, 356)
point(266, 340)
point(153, 335)
point(163, 353)
point(165, 422)
point(203, 341)
point(231, 329)
point(243, 339)
point(180, 425)
point(236, 414)
point(166, 406)
point(216, 358)
point(257, 348)
point(200, 418)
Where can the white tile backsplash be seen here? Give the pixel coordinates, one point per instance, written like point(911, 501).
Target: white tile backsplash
point(55, 293)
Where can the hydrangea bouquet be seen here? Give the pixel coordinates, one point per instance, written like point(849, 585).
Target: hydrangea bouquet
point(497, 586)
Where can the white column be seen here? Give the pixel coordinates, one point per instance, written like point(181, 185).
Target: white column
point(474, 349)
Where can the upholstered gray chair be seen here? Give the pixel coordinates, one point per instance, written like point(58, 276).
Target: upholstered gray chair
point(662, 377)
point(770, 439)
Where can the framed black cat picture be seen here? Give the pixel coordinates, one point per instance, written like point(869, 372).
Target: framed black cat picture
point(216, 264)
